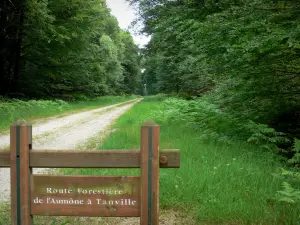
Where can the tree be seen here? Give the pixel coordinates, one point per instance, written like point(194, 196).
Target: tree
point(244, 53)
point(68, 48)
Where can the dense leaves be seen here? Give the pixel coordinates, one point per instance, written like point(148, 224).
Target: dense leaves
point(246, 53)
point(242, 57)
point(11, 22)
point(69, 48)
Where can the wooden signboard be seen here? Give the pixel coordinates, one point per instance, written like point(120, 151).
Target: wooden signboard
point(85, 196)
point(97, 196)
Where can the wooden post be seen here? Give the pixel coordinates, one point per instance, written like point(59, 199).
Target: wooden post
point(149, 174)
point(20, 173)
point(30, 136)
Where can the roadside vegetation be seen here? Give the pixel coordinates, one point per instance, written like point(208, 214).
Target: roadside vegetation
point(14, 109)
point(229, 181)
point(232, 179)
point(224, 83)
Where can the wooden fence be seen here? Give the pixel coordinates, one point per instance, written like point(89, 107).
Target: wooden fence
point(107, 196)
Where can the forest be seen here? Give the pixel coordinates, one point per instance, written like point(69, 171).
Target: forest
point(241, 56)
point(245, 54)
point(228, 72)
point(70, 49)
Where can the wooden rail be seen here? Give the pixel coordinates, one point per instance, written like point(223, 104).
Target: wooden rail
point(169, 158)
point(107, 196)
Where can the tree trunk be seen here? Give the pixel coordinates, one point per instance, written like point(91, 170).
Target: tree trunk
point(16, 73)
point(2, 48)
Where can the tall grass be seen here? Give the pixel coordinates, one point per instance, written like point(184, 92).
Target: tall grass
point(11, 110)
point(219, 183)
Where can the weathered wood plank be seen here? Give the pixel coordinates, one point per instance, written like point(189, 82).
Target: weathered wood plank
point(92, 158)
point(107, 196)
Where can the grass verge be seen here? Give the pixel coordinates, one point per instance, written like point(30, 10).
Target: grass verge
point(217, 183)
point(11, 110)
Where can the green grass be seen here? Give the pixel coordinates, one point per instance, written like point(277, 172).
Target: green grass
point(11, 110)
point(5, 213)
point(217, 183)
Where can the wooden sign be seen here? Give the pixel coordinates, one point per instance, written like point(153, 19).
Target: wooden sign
point(85, 196)
point(97, 196)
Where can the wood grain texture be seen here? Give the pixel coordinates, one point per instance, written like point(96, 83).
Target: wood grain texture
point(30, 135)
point(4, 158)
point(155, 175)
point(149, 174)
point(70, 195)
point(93, 196)
point(20, 174)
point(91, 158)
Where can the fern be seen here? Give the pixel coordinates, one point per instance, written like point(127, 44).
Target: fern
point(290, 194)
point(265, 136)
point(296, 148)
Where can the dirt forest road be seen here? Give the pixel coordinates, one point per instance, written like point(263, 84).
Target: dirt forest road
point(69, 132)
point(65, 133)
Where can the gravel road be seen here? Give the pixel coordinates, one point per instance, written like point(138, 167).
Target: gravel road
point(65, 133)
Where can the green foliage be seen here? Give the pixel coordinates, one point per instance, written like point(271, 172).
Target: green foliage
point(296, 157)
point(217, 183)
point(212, 123)
point(246, 53)
point(291, 193)
point(202, 116)
point(17, 109)
point(156, 98)
point(5, 213)
point(71, 47)
point(265, 136)
point(79, 97)
point(54, 222)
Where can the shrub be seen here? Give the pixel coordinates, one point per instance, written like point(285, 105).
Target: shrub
point(290, 194)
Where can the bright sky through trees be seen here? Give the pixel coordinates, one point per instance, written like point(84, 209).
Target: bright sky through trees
point(125, 15)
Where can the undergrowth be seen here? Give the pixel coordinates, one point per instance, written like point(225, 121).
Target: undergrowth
point(228, 171)
point(223, 179)
point(211, 122)
point(290, 192)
